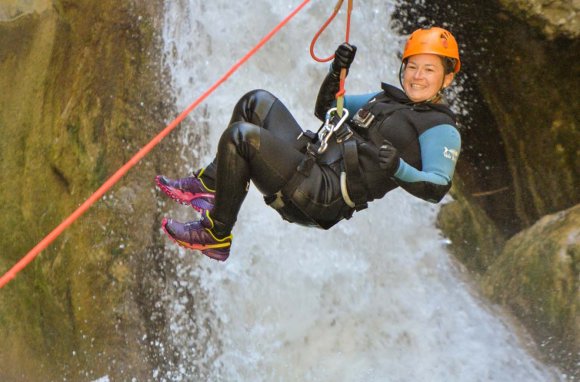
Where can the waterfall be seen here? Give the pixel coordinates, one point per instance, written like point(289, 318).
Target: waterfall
point(377, 297)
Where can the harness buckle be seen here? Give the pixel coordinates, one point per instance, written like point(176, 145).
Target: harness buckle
point(330, 127)
point(363, 118)
point(311, 136)
point(344, 134)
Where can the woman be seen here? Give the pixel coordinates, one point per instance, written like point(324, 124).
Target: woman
point(388, 139)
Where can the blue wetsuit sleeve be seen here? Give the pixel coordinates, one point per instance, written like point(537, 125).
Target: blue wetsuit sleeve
point(440, 146)
point(354, 102)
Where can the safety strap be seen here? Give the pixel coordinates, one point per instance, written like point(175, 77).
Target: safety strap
point(354, 193)
point(356, 190)
point(308, 144)
point(305, 138)
point(302, 172)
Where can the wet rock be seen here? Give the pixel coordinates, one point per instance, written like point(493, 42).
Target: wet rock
point(12, 9)
point(80, 92)
point(538, 276)
point(520, 139)
point(560, 18)
point(476, 240)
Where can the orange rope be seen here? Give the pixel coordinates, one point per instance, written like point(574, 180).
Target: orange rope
point(31, 255)
point(348, 12)
point(322, 29)
point(341, 90)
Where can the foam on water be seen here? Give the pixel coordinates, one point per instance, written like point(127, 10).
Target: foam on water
point(376, 298)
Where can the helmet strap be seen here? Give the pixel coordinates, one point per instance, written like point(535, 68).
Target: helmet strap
point(439, 93)
point(401, 74)
point(436, 97)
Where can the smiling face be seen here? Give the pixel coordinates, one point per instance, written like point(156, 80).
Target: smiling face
point(424, 76)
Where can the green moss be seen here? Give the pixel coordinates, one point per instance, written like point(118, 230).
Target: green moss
point(537, 275)
point(59, 142)
point(101, 170)
point(475, 239)
point(73, 130)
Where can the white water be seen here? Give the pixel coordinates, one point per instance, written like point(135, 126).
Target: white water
point(376, 298)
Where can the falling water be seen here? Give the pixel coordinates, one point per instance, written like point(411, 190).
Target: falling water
point(376, 298)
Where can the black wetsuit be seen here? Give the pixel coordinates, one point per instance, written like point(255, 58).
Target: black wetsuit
point(261, 144)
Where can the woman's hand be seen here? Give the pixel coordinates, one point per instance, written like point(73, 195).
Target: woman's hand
point(343, 57)
point(388, 158)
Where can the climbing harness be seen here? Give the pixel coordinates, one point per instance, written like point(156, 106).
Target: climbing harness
point(335, 117)
point(34, 252)
point(334, 125)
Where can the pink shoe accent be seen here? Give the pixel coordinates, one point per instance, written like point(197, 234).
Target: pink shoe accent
point(199, 201)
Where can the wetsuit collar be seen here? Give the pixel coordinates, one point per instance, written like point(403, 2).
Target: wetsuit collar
point(395, 93)
point(399, 96)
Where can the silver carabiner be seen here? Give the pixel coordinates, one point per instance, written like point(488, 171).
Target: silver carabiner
point(328, 129)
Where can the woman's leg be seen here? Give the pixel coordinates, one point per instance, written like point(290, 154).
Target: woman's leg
point(259, 145)
point(260, 108)
point(257, 107)
point(249, 152)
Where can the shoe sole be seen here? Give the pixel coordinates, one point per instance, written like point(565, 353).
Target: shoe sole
point(197, 201)
point(209, 251)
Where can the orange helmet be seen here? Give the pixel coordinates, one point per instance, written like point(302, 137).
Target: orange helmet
point(435, 41)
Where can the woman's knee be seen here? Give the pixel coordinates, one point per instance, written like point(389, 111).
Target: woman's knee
point(243, 136)
point(259, 96)
point(253, 107)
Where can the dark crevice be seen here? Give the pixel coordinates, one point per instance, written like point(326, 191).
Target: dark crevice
point(62, 179)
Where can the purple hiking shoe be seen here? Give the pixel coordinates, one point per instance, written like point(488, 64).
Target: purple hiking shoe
point(190, 190)
point(197, 235)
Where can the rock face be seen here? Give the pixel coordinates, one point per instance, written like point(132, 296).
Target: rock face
point(79, 94)
point(12, 9)
point(477, 242)
point(519, 159)
point(538, 276)
point(555, 18)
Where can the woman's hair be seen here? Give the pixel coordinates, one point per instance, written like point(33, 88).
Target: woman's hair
point(448, 64)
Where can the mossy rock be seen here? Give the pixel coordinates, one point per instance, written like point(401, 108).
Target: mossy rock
point(538, 276)
point(476, 241)
point(81, 90)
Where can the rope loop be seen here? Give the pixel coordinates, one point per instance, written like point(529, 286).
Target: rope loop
point(322, 29)
point(326, 24)
point(341, 91)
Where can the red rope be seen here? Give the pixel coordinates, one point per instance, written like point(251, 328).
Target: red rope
point(348, 12)
point(31, 255)
point(326, 24)
point(341, 91)
point(322, 29)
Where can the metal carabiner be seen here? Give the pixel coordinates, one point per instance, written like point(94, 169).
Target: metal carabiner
point(328, 129)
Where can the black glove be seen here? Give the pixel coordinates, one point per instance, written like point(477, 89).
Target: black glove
point(388, 158)
point(343, 57)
